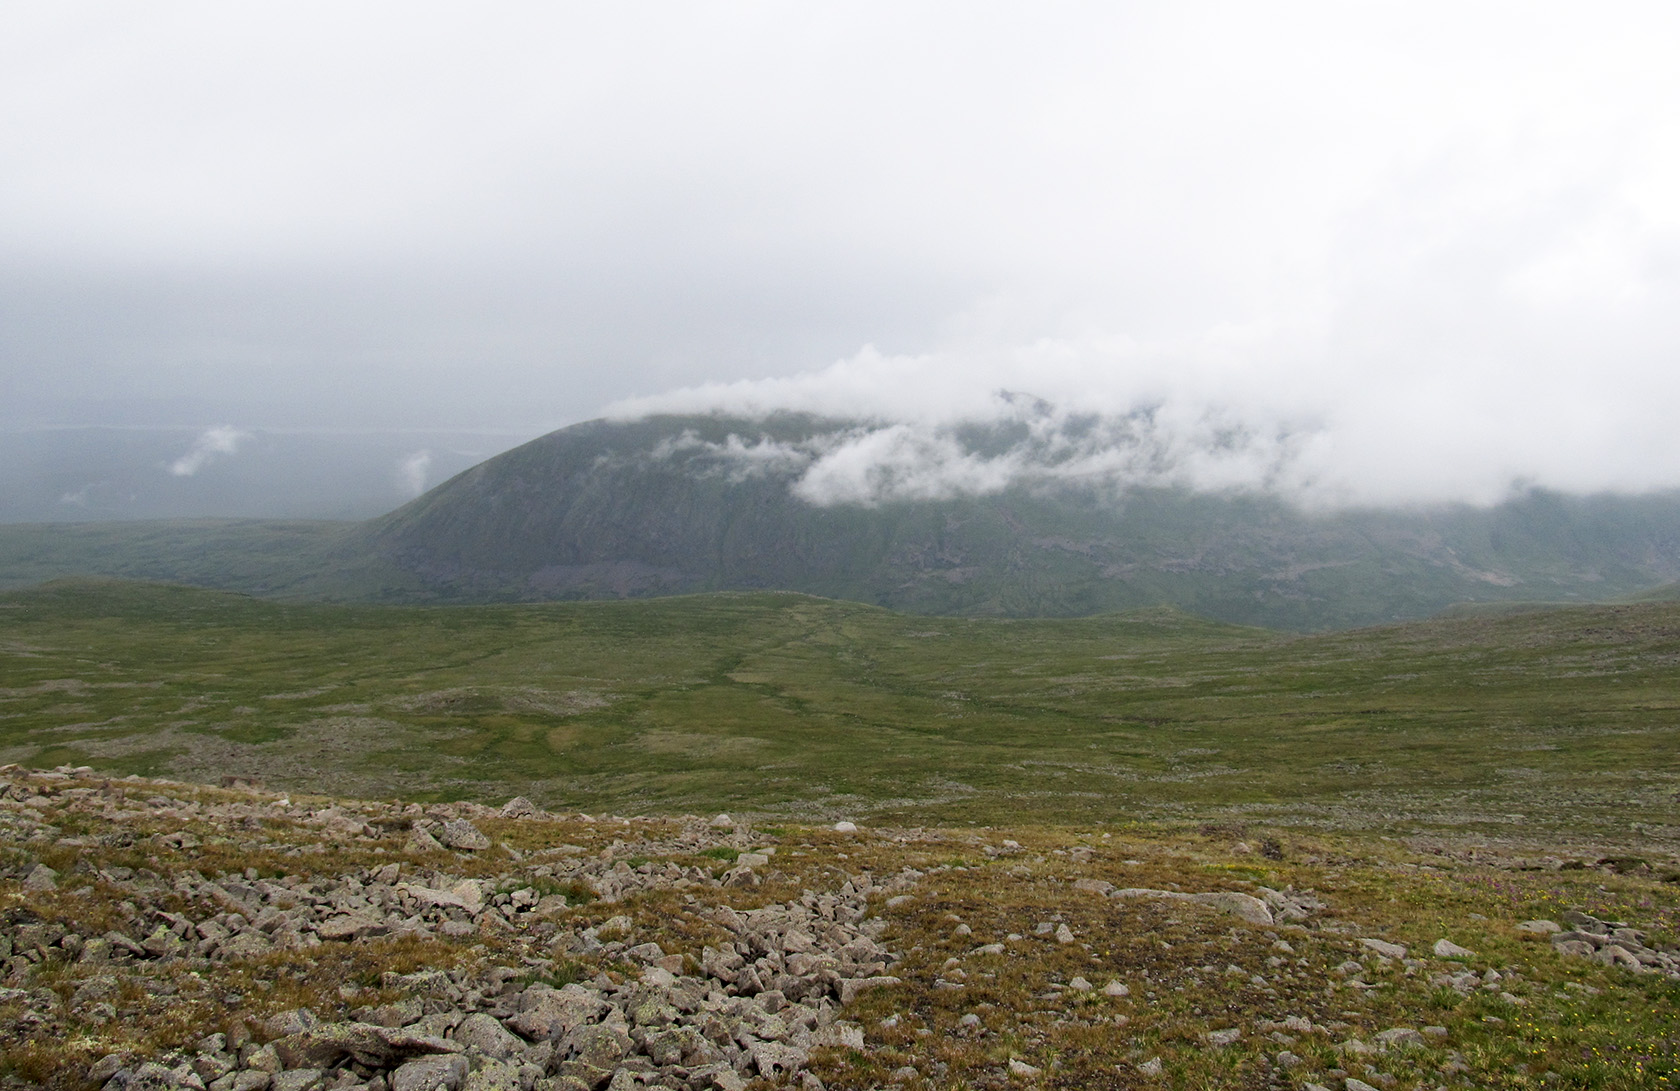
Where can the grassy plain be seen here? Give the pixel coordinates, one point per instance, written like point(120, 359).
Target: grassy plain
point(1560, 723)
point(1414, 776)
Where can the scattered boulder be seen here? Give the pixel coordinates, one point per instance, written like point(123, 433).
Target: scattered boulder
point(458, 833)
point(40, 878)
point(431, 1074)
point(1384, 948)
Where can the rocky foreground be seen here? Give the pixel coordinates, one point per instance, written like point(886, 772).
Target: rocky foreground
point(163, 935)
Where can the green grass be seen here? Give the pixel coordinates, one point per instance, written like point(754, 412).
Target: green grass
point(1556, 721)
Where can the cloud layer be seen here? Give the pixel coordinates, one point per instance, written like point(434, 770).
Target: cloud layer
point(1378, 251)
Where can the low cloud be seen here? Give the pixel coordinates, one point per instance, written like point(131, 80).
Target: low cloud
point(1017, 440)
point(412, 472)
point(214, 443)
point(1396, 393)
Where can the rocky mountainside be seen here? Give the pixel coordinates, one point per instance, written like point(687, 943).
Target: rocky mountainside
point(158, 935)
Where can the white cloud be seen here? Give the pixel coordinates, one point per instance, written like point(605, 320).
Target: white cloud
point(213, 443)
point(1403, 250)
point(412, 472)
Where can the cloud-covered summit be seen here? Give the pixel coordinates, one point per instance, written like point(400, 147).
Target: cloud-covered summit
point(1322, 419)
point(1022, 442)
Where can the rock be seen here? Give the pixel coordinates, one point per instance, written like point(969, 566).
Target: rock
point(1064, 934)
point(1151, 1067)
point(1445, 948)
point(851, 987)
point(602, 1044)
point(1093, 886)
point(1613, 954)
point(577, 1074)
point(1539, 929)
point(495, 1076)
point(1018, 1067)
point(519, 807)
point(458, 833)
point(328, 1045)
point(40, 878)
point(1399, 1037)
point(844, 1035)
point(430, 898)
point(547, 1014)
point(1116, 988)
point(348, 926)
point(399, 1014)
point(1291, 906)
point(264, 1060)
point(722, 821)
point(486, 1035)
point(1576, 947)
point(1351, 1084)
point(470, 894)
point(295, 1021)
point(678, 1046)
point(845, 827)
point(431, 1074)
point(651, 1009)
point(1384, 948)
point(298, 1079)
point(163, 943)
point(421, 841)
point(1079, 984)
point(104, 1068)
point(1246, 906)
point(717, 1078)
point(1223, 1037)
point(752, 859)
point(776, 1061)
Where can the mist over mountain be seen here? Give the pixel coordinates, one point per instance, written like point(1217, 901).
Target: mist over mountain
point(1037, 515)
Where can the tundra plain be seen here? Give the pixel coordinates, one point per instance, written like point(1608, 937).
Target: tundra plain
point(1135, 850)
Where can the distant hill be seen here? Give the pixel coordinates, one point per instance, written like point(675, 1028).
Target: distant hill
point(670, 505)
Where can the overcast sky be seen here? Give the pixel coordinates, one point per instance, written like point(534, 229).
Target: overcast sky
point(1431, 249)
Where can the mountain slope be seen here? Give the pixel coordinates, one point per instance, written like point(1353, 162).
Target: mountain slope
point(677, 504)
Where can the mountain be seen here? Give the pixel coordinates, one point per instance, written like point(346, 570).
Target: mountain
point(669, 505)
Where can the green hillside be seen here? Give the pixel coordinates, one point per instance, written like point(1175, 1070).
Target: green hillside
point(1560, 720)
